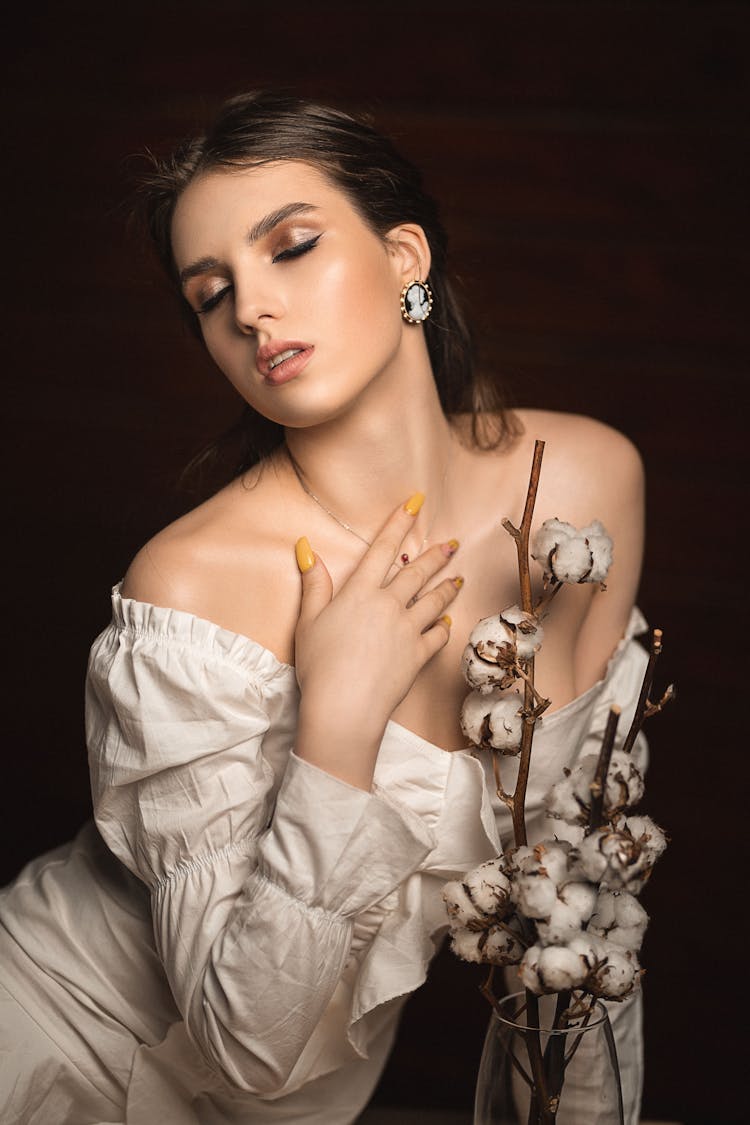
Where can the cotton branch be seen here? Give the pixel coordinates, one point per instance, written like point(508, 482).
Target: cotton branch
point(521, 535)
point(645, 708)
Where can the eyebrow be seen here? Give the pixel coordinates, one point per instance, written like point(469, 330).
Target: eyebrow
point(263, 227)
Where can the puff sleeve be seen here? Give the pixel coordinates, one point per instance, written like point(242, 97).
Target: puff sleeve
point(258, 863)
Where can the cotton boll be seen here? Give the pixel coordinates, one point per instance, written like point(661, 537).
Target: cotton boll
point(476, 707)
point(484, 676)
point(562, 803)
point(489, 888)
point(550, 858)
point(461, 910)
point(648, 835)
point(589, 946)
point(546, 539)
point(562, 925)
point(603, 917)
point(493, 720)
point(528, 632)
point(580, 897)
point(466, 945)
point(506, 724)
point(494, 639)
point(581, 777)
point(617, 978)
point(620, 918)
point(625, 785)
point(535, 895)
point(502, 947)
point(519, 858)
point(571, 561)
point(624, 855)
point(560, 968)
point(555, 858)
point(495, 644)
point(599, 856)
point(528, 970)
point(600, 545)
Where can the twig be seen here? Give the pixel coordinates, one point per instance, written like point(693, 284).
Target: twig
point(598, 786)
point(644, 707)
point(521, 534)
point(506, 798)
point(534, 1047)
point(546, 597)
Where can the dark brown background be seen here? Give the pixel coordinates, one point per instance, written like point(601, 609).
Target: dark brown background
point(591, 159)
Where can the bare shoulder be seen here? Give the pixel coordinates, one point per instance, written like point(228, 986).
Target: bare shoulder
point(590, 471)
point(578, 446)
point(227, 561)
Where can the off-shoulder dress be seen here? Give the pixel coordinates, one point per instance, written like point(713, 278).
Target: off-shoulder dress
point(233, 938)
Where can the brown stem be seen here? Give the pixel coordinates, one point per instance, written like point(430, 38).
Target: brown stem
point(546, 597)
point(502, 795)
point(534, 1048)
point(643, 702)
point(554, 1055)
point(521, 537)
point(541, 703)
point(599, 784)
point(518, 809)
point(521, 534)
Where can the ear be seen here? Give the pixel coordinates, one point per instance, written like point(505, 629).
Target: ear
point(410, 252)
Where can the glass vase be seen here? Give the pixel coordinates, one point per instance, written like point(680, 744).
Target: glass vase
point(533, 1074)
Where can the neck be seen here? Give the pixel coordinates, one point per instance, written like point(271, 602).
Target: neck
point(395, 441)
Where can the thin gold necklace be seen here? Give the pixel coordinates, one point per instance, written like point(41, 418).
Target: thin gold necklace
point(404, 558)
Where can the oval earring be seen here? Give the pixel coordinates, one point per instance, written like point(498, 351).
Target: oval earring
point(416, 301)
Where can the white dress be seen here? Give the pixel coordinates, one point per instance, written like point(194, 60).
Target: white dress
point(245, 956)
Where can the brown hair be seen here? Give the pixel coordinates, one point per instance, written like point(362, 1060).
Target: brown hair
point(264, 126)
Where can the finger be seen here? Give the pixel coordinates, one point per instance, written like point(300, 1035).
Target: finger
point(436, 637)
point(381, 555)
point(410, 579)
point(317, 587)
point(431, 605)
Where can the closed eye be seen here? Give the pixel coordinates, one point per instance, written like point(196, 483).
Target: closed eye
point(212, 302)
point(296, 251)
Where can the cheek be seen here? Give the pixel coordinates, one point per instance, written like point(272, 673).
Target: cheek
point(360, 297)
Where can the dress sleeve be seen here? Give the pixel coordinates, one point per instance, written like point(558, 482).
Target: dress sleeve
point(257, 867)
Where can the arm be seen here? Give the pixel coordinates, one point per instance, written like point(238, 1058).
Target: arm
point(254, 887)
point(253, 893)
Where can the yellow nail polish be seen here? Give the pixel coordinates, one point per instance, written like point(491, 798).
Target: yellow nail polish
point(458, 582)
point(414, 503)
point(304, 554)
point(446, 620)
point(453, 545)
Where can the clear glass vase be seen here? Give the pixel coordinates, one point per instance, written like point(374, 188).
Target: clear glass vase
point(532, 1075)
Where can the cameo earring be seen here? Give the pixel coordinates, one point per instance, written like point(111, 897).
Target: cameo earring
point(416, 301)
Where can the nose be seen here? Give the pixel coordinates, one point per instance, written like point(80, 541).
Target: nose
point(256, 303)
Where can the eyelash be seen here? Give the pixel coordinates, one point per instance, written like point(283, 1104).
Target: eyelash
point(285, 256)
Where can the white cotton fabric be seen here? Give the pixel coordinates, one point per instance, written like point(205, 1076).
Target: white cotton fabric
point(240, 949)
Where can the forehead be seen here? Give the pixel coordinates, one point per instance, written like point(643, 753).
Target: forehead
point(222, 202)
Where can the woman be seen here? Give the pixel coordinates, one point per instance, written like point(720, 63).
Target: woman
point(271, 712)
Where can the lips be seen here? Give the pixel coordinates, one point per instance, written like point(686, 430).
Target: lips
point(279, 356)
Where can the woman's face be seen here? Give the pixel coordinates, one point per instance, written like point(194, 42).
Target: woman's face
point(275, 260)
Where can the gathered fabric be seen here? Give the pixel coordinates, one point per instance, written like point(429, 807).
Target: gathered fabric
point(234, 938)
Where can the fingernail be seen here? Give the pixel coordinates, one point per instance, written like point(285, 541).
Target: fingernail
point(446, 620)
point(450, 547)
point(304, 553)
point(414, 503)
point(457, 582)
